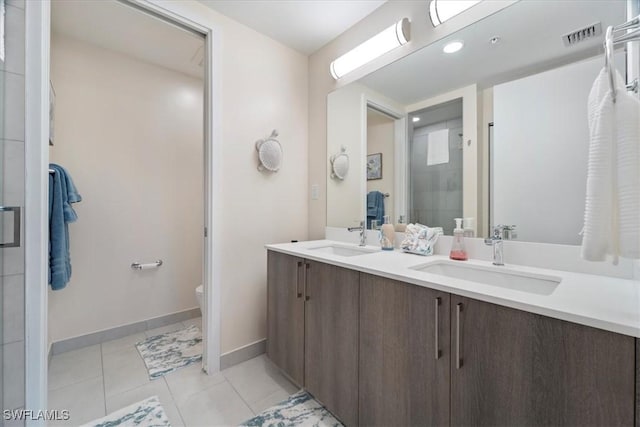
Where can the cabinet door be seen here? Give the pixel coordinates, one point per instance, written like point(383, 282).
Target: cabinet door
point(285, 314)
point(404, 354)
point(331, 339)
point(518, 368)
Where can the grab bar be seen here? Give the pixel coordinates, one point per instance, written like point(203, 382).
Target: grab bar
point(139, 266)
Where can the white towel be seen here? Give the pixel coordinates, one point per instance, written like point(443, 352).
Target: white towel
point(612, 206)
point(438, 147)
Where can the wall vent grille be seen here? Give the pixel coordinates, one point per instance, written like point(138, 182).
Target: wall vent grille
point(586, 33)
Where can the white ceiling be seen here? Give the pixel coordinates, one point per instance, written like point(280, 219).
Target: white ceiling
point(115, 26)
point(531, 41)
point(304, 25)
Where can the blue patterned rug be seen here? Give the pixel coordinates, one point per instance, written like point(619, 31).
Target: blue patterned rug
point(148, 413)
point(299, 410)
point(167, 352)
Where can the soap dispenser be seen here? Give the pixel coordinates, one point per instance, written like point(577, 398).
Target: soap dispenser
point(387, 235)
point(458, 251)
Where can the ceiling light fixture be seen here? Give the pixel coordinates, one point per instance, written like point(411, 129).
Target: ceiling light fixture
point(443, 10)
point(389, 39)
point(415, 119)
point(453, 47)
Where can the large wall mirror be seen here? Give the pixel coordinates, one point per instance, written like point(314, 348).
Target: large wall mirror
point(496, 131)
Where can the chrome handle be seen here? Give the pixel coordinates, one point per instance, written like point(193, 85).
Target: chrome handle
point(139, 266)
point(306, 279)
point(298, 280)
point(458, 358)
point(437, 326)
point(15, 243)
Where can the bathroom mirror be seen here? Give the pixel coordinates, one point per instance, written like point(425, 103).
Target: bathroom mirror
point(496, 132)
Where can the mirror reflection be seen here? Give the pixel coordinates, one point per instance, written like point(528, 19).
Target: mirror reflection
point(495, 132)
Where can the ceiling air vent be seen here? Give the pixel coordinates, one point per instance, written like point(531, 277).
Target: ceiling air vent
point(582, 34)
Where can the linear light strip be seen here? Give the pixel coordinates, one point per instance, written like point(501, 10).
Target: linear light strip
point(395, 36)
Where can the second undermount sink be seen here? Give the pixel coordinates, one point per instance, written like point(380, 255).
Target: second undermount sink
point(493, 276)
point(342, 250)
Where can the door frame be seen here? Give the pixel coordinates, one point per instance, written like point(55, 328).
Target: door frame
point(472, 173)
point(37, 57)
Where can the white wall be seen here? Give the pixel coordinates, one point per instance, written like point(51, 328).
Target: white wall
point(263, 85)
point(541, 133)
point(131, 135)
point(380, 139)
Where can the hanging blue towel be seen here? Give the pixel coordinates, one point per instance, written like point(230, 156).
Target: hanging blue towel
point(375, 207)
point(62, 192)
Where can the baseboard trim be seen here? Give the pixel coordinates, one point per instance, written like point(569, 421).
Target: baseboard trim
point(120, 331)
point(243, 354)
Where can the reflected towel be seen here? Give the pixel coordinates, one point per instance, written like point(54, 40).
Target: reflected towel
point(438, 147)
point(612, 205)
point(375, 207)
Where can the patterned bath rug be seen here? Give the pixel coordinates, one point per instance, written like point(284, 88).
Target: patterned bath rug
point(148, 413)
point(167, 352)
point(299, 410)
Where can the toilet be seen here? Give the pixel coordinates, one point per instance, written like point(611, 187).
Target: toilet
point(199, 294)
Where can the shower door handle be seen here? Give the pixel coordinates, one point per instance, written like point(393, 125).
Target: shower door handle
point(15, 243)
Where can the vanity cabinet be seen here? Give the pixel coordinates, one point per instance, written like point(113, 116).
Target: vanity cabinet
point(510, 367)
point(376, 351)
point(404, 354)
point(331, 339)
point(285, 313)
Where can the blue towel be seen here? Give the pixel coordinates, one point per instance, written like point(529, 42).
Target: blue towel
point(375, 207)
point(62, 192)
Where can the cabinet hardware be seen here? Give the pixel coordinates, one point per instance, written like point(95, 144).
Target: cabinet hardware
point(306, 279)
point(298, 280)
point(437, 326)
point(458, 358)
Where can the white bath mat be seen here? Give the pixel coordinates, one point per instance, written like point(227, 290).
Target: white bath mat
point(167, 352)
point(299, 410)
point(148, 413)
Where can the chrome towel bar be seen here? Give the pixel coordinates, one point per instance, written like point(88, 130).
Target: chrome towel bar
point(139, 266)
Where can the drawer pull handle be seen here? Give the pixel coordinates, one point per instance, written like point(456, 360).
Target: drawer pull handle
point(458, 358)
point(298, 293)
point(306, 279)
point(437, 326)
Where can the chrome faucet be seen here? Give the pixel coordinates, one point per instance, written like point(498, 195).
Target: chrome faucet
point(500, 234)
point(363, 232)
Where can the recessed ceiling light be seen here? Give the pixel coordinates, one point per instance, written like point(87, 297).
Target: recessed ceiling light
point(415, 119)
point(453, 46)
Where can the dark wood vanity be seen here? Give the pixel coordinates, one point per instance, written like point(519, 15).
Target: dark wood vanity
point(381, 352)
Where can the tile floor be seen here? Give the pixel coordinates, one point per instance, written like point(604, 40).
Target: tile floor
point(94, 381)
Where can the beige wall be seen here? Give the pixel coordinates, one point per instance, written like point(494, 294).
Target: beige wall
point(380, 139)
point(321, 82)
point(263, 86)
point(131, 136)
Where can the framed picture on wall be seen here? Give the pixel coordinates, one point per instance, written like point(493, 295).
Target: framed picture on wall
point(374, 166)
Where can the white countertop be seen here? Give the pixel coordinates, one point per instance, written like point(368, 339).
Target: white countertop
point(607, 303)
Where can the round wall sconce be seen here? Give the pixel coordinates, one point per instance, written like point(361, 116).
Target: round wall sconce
point(269, 153)
point(340, 164)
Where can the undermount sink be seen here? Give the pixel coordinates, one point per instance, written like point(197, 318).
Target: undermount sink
point(342, 250)
point(493, 276)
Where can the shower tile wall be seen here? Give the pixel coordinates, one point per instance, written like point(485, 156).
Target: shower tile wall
point(436, 189)
point(12, 124)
